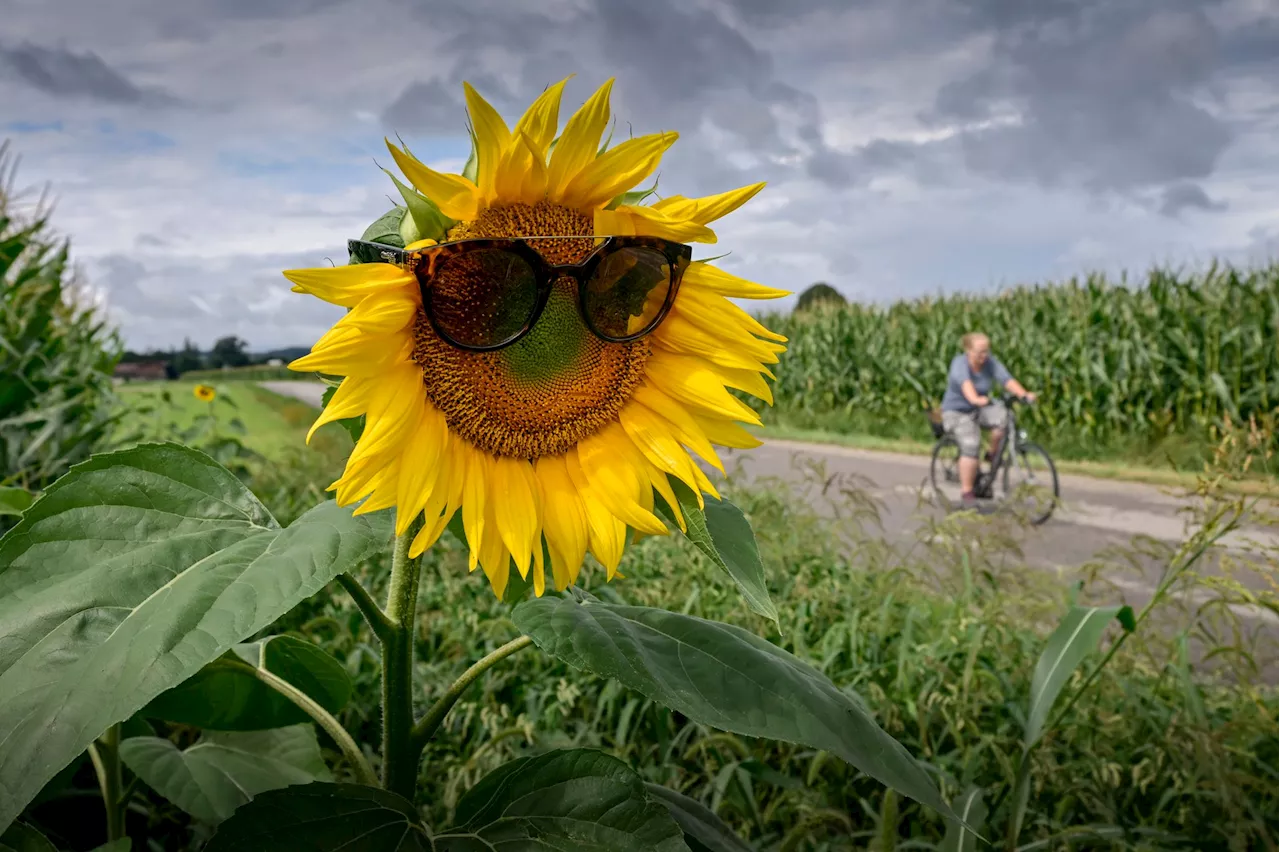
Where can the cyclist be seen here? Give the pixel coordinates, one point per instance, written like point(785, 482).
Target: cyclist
point(967, 407)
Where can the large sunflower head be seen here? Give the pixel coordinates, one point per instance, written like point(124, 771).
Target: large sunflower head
point(552, 446)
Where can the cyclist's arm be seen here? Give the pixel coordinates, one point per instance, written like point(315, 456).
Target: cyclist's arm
point(1015, 387)
point(971, 393)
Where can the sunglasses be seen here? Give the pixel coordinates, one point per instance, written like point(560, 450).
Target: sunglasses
point(484, 294)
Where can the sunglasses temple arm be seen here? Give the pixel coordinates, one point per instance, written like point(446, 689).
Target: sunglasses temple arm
point(366, 252)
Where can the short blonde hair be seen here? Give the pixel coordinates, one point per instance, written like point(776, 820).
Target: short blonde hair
point(966, 342)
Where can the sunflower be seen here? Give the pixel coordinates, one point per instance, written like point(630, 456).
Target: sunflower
point(554, 446)
point(204, 393)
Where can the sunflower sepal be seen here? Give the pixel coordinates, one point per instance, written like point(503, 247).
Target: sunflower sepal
point(424, 219)
point(632, 198)
point(385, 229)
point(353, 425)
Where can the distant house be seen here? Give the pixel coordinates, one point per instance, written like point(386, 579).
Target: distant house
point(144, 371)
point(275, 362)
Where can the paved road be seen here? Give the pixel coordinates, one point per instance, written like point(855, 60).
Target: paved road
point(1096, 514)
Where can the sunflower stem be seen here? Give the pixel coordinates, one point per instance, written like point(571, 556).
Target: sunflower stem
point(426, 727)
point(399, 757)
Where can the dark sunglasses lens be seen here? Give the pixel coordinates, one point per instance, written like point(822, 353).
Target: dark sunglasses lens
point(627, 292)
point(483, 298)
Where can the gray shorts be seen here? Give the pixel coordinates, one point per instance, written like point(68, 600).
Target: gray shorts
point(964, 426)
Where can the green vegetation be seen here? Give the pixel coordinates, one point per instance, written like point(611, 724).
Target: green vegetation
point(1144, 374)
point(939, 637)
point(56, 355)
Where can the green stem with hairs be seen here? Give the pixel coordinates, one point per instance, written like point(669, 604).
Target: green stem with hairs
point(400, 756)
point(423, 731)
point(364, 772)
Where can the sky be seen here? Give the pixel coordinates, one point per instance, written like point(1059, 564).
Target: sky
point(911, 147)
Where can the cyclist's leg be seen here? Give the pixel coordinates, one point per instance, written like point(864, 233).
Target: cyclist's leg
point(993, 418)
point(963, 426)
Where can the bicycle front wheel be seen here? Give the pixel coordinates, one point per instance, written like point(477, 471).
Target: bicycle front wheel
point(1030, 483)
point(944, 473)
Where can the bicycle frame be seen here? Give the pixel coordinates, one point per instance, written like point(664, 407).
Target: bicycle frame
point(1003, 455)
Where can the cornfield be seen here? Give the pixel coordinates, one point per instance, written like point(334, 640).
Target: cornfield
point(57, 406)
point(1117, 366)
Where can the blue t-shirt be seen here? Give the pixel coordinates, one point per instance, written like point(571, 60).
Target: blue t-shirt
point(959, 371)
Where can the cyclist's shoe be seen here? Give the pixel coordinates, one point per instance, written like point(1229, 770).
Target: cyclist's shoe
point(968, 502)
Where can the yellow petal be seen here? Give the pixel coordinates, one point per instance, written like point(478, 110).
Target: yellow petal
point(445, 498)
point(727, 434)
point(656, 441)
point(419, 466)
point(713, 311)
point(627, 219)
point(708, 208)
point(493, 556)
point(662, 485)
point(563, 518)
point(579, 142)
point(384, 314)
point(394, 412)
point(517, 510)
point(702, 274)
point(356, 354)
point(533, 184)
point(539, 572)
point(678, 419)
point(382, 492)
point(612, 465)
point(541, 119)
point(694, 384)
point(457, 197)
point(349, 285)
point(616, 171)
point(606, 534)
point(491, 137)
point(351, 399)
point(474, 490)
point(720, 346)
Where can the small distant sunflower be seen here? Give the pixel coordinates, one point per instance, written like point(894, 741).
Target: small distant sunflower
point(562, 437)
point(204, 393)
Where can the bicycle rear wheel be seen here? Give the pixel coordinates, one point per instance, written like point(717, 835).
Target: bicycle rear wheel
point(944, 473)
point(1030, 482)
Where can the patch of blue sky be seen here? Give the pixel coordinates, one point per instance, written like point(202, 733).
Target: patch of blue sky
point(349, 163)
point(34, 127)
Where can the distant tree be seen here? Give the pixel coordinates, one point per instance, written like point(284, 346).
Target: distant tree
point(187, 358)
point(820, 293)
point(229, 352)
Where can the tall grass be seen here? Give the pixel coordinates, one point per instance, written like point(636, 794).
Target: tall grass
point(1122, 369)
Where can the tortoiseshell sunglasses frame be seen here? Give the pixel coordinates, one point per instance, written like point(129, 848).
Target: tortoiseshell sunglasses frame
point(424, 262)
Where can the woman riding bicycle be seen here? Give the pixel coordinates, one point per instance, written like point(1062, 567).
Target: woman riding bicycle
point(967, 407)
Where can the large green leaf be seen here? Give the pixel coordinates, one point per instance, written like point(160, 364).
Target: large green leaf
point(129, 575)
point(24, 838)
point(14, 501)
point(226, 696)
point(703, 830)
point(722, 533)
point(1074, 639)
point(223, 771)
point(725, 677)
point(324, 818)
point(566, 800)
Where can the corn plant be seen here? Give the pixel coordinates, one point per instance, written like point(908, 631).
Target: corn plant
point(56, 356)
point(1116, 365)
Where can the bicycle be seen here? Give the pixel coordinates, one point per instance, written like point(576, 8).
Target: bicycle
point(1023, 468)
